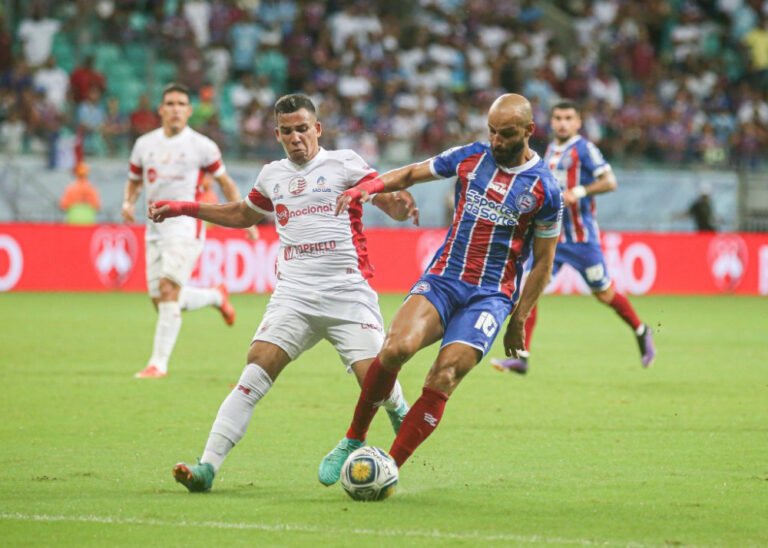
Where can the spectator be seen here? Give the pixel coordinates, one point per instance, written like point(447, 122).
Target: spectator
point(245, 40)
point(701, 210)
point(143, 119)
point(198, 15)
point(204, 111)
point(756, 41)
point(272, 63)
point(115, 128)
point(606, 87)
point(36, 34)
point(80, 200)
point(84, 78)
point(54, 80)
point(90, 117)
point(12, 131)
point(6, 47)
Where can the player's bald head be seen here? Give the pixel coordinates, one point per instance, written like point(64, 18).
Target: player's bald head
point(510, 125)
point(510, 108)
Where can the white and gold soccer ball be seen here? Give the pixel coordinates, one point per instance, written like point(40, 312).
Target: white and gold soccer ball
point(369, 474)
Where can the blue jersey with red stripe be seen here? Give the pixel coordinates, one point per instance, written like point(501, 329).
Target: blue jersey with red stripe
point(497, 212)
point(577, 162)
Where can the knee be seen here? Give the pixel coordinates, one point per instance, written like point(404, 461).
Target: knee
point(397, 350)
point(169, 291)
point(605, 296)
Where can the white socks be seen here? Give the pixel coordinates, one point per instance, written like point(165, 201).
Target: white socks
point(235, 414)
point(192, 298)
point(166, 331)
point(395, 398)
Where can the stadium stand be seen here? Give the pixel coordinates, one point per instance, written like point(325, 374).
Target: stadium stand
point(667, 83)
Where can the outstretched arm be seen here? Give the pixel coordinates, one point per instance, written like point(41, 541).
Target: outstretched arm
point(399, 205)
point(232, 194)
point(391, 181)
point(231, 214)
point(543, 257)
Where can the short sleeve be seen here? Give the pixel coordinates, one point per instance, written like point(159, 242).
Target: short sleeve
point(135, 169)
point(593, 161)
point(357, 169)
point(257, 198)
point(548, 220)
point(210, 158)
point(445, 164)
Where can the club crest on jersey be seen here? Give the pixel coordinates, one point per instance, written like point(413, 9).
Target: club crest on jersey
point(525, 202)
point(421, 287)
point(297, 185)
point(320, 185)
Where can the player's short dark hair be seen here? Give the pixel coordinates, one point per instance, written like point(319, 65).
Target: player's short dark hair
point(175, 87)
point(293, 102)
point(566, 104)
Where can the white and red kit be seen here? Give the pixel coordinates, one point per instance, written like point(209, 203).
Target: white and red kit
point(172, 168)
point(322, 264)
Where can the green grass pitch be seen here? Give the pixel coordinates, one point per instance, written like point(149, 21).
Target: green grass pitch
point(588, 448)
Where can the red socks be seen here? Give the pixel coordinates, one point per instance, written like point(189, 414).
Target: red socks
point(624, 309)
point(419, 423)
point(377, 386)
point(530, 323)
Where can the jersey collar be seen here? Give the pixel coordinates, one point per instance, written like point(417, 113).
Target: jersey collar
point(321, 153)
point(569, 142)
point(183, 132)
point(519, 169)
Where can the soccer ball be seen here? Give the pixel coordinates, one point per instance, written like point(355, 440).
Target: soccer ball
point(369, 474)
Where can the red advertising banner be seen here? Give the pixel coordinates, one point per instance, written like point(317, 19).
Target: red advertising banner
point(48, 257)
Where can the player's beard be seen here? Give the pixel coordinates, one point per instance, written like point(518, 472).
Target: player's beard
point(507, 156)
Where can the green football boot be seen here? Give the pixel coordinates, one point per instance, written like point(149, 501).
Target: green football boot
point(198, 478)
point(330, 466)
point(396, 416)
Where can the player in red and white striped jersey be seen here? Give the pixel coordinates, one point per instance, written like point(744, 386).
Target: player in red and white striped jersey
point(322, 290)
point(171, 162)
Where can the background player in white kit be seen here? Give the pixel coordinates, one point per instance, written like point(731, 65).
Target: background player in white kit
point(322, 270)
point(172, 160)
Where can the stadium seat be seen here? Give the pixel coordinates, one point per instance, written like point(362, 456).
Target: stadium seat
point(107, 56)
point(164, 71)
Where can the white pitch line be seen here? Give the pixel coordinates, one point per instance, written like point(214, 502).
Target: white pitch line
point(276, 528)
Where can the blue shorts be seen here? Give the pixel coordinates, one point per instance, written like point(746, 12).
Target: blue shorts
point(588, 260)
point(470, 314)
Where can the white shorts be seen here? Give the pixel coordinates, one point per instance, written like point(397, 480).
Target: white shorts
point(171, 258)
point(351, 322)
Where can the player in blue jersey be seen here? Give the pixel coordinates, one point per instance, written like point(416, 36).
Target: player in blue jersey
point(507, 204)
point(582, 173)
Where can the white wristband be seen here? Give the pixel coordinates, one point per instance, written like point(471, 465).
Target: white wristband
point(579, 191)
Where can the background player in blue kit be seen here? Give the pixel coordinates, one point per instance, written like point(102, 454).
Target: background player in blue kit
point(507, 203)
point(582, 173)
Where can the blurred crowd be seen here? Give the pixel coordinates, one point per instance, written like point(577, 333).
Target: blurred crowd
point(677, 82)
